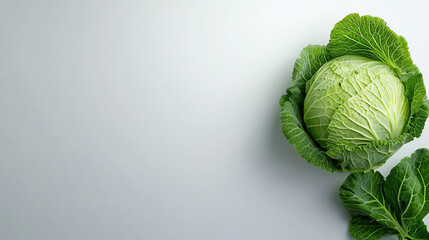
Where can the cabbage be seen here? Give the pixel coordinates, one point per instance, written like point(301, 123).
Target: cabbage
point(356, 101)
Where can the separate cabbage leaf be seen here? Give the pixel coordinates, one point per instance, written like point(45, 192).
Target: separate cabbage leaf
point(366, 228)
point(392, 206)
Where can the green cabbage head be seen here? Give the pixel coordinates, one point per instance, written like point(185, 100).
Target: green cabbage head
point(356, 101)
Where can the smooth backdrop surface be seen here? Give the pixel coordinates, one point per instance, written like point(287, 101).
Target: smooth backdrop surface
point(159, 120)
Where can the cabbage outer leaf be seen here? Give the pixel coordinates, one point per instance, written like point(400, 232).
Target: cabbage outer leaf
point(311, 59)
point(370, 37)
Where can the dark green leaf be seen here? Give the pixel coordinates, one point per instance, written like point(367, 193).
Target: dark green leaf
point(366, 228)
point(370, 37)
point(311, 59)
point(395, 206)
point(407, 186)
point(362, 195)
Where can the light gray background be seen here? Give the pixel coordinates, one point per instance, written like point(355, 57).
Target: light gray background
point(160, 120)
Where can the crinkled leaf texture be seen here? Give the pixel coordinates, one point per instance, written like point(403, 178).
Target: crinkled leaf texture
point(393, 206)
point(368, 37)
point(310, 60)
